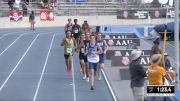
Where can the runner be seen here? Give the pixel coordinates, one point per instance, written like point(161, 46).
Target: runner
point(76, 29)
point(81, 49)
point(86, 45)
point(102, 44)
point(85, 26)
point(93, 58)
point(68, 42)
point(68, 26)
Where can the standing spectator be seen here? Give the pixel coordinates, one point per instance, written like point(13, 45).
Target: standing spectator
point(156, 74)
point(155, 49)
point(137, 74)
point(167, 62)
point(32, 20)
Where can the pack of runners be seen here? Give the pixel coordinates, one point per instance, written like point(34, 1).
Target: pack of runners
point(90, 47)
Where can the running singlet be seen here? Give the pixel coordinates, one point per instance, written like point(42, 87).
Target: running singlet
point(76, 29)
point(94, 58)
point(69, 27)
point(82, 50)
point(68, 47)
point(101, 44)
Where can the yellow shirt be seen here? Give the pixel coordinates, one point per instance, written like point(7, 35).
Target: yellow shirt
point(155, 75)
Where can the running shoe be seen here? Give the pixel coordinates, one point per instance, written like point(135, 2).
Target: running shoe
point(87, 79)
point(92, 88)
point(84, 77)
point(99, 78)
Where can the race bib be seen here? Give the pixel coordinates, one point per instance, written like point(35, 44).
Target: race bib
point(76, 31)
point(93, 58)
point(69, 50)
point(82, 50)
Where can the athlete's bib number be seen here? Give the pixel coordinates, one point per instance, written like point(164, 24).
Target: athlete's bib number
point(82, 50)
point(76, 31)
point(69, 50)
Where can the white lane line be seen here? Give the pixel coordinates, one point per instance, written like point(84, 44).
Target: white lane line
point(73, 78)
point(18, 63)
point(3, 36)
point(10, 45)
point(109, 86)
point(44, 67)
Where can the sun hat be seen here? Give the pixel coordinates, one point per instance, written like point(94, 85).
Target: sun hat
point(155, 59)
point(135, 54)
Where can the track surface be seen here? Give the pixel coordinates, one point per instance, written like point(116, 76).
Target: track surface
point(32, 68)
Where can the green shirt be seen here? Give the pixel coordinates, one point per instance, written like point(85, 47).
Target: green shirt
point(68, 47)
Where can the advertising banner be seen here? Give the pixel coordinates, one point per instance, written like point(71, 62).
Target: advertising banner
point(111, 53)
point(46, 15)
point(15, 16)
point(122, 42)
point(125, 60)
point(143, 14)
point(119, 36)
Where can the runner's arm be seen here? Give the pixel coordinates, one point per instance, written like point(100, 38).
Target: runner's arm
point(75, 43)
point(99, 50)
point(65, 28)
point(63, 42)
point(106, 47)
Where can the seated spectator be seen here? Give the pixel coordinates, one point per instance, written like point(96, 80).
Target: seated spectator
point(45, 3)
point(24, 8)
point(10, 3)
point(53, 2)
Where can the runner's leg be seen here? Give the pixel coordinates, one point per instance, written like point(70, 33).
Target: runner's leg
point(91, 72)
point(70, 64)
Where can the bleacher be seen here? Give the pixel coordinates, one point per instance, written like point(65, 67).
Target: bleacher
point(90, 7)
point(87, 8)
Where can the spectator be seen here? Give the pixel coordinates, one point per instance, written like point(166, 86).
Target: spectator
point(24, 7)
point(10, 3)
point(32, 20)
point(170, 74)
point(16, 5)
point(155, 49)
point(53, 2)
point(167, 62)
point(137, 74)
point(156, 74)
point(45, 3)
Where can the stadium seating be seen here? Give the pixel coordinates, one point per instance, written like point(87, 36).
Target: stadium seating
point(88, 7)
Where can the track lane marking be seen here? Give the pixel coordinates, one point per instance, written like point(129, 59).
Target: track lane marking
point(18, 64)
point(10, 44)
point(44, 67)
